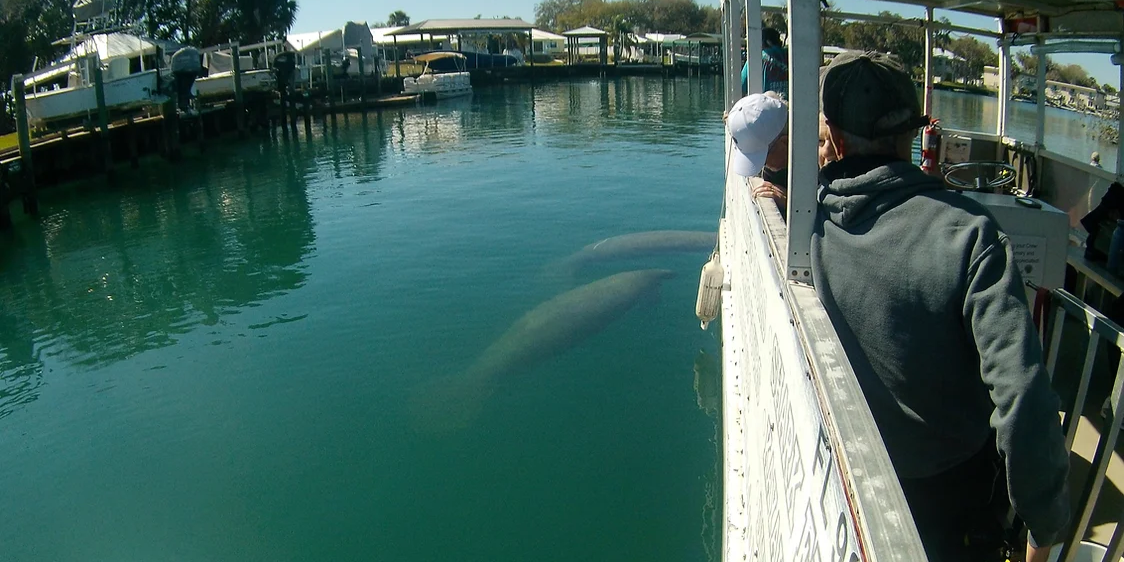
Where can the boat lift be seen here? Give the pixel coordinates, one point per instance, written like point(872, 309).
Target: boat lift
point(806, 474)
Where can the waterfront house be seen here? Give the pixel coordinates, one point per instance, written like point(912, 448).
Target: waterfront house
point(1078, 97)
point(948, 67)
point(547, 43)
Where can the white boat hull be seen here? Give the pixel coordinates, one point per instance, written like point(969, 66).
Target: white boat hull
point(222, 83)
point(134, 90)
point(444, 85)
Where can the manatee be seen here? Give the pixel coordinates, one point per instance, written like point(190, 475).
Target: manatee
point(452, 402)
point(639, 244)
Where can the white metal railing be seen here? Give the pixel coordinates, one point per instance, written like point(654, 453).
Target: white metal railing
point(1099, 329)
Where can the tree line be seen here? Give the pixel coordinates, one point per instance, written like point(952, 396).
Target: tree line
point(664, 16)
point(908, 43)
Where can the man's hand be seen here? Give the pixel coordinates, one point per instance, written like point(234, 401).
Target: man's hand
point(767, 189)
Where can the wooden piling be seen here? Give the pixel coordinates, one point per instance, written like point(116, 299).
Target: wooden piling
point(326, 57)
point(5, 188)
point(397, 66)
point(23, 136)
point(308, 114)
point(200, 133)
point(171, 116)
point(239, 108)
point(134, 160)
point(362, 80)
point(103, 117)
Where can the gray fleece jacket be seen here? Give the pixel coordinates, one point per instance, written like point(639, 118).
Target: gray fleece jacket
point(921, 287)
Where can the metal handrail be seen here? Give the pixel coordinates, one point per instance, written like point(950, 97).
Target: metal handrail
point(1099, 328)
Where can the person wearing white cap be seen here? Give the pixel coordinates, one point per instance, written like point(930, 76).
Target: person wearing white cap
point(758, 126)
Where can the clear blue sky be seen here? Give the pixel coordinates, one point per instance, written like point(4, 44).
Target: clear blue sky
point(319, 15)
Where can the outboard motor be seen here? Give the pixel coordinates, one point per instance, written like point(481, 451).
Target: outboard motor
point(187, 65)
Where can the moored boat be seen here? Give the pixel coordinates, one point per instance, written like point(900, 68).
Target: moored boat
point(443, 84)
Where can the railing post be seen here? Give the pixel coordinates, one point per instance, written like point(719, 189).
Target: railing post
point(753, 56)
point(1040, 126)
point(929, 45)
point(1120, 122)
point(733, 11)
point(1004, 86)
point(804, 58)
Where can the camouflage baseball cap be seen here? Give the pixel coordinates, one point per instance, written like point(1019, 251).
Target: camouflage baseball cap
point(870, 95)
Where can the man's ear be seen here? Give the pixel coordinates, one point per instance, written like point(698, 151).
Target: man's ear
point(835, 136)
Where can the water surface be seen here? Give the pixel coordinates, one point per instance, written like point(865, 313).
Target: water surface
point(215, 360)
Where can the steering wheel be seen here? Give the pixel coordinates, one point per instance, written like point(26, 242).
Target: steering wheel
point(1005, 175)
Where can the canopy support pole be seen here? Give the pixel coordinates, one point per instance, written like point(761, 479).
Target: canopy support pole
point(753, 56)
point(930, 44)
point(1040, 126)
point(1120, 123)
point(804, 56)
point(1004, 86)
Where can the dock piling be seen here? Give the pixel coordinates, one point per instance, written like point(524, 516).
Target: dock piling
point(103, 117)
point(171, 119)
point(327, 59)
point(134, 160)
point(362, 80)
point(23, 136)
point(5, 188)
point(239, 108)
point(308, 114)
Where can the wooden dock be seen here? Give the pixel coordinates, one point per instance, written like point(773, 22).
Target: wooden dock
point(77, 150)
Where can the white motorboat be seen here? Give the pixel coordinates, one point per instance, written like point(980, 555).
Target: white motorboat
point(255, 71)
point(443, 84)
point(66, 89)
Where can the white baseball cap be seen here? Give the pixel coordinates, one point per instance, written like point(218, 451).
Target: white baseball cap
point(754, 123)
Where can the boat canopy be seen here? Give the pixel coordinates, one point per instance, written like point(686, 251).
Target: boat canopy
point(85, 10)
point(349, 36)
point(438, 55)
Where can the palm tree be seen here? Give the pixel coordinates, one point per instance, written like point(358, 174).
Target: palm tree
point(623, 36)
point(398, 18)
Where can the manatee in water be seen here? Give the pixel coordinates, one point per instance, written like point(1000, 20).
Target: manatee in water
point(452, 402)
point(638, 244)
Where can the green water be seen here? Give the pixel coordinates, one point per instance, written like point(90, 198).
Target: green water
point(220, 360)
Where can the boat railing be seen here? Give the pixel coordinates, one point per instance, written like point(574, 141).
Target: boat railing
point(1069, 313)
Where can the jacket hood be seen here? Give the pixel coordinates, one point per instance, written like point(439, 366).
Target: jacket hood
point(855, 189)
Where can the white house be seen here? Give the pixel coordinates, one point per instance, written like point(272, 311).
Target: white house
point(1072, 95)
point(547, 43)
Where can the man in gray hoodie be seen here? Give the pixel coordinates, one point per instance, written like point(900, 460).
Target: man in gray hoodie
point(922, 288)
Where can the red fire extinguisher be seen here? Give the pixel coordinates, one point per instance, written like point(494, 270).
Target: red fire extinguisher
point(931, 148)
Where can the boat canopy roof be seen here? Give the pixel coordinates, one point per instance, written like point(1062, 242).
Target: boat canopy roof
point(438, 55)
point(454, 26)
point(352, 34)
